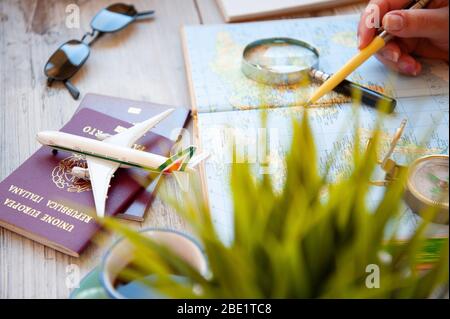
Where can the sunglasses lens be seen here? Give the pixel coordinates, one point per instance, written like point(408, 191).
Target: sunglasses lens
point(66, 60)
point(114, 17)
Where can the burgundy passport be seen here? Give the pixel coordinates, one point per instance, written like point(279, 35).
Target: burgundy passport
point(43, 201)
point(137, 111)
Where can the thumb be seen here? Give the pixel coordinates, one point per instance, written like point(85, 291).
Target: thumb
point(418, 23)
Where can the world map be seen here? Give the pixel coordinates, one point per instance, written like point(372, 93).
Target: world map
point(230, 107)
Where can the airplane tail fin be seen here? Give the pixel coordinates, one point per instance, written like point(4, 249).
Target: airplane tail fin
point(180, 163)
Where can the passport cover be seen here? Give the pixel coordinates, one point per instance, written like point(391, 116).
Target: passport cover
point(43, 201)
point(136, 111)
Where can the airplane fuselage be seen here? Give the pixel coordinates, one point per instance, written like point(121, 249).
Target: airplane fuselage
point(90, 147)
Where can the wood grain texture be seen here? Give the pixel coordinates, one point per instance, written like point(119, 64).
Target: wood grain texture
point(144, 61)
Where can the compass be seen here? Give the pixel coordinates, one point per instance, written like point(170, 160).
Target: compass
point(428, 185)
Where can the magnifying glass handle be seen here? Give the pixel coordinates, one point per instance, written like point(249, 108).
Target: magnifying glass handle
point(368, 96)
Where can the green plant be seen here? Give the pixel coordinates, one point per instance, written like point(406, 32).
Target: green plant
point(311, 239)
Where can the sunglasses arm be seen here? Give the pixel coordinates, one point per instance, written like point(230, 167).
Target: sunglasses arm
point(72, 89)
point(145, 14)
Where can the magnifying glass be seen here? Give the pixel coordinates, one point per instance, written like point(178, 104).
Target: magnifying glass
point(287, 61)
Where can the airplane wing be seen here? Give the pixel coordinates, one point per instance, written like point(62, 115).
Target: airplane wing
point(100, 172)
point(129, 136)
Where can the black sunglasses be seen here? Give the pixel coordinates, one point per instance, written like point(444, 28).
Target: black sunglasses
point(71, 56)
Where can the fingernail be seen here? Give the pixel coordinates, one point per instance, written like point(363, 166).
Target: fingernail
point(408, 68)
point(391, 55)
point(359, 41)
point(393, 22)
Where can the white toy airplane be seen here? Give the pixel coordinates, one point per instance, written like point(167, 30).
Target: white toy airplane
point(106, 155)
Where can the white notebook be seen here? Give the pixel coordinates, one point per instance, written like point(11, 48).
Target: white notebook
point(238, 10)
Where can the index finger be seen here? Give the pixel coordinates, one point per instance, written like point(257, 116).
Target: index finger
point(372, 16)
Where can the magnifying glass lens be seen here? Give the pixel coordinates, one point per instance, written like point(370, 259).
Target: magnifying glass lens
point(279, 61)
point(282, 57)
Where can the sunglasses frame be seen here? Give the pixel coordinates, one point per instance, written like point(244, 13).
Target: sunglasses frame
point(95, 35)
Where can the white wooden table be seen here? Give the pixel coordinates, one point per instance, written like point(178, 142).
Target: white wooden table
point(142, 62)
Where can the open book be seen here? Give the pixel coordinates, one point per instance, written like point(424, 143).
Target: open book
point(228, 107)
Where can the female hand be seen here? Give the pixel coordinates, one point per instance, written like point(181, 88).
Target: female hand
point(418, 32)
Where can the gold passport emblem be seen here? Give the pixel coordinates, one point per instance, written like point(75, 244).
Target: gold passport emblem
point(63, 178)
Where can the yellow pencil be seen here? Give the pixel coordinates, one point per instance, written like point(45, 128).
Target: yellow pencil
point(377, 43)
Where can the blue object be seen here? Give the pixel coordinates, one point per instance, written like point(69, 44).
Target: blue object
point(141, 289)
point(92, 288)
